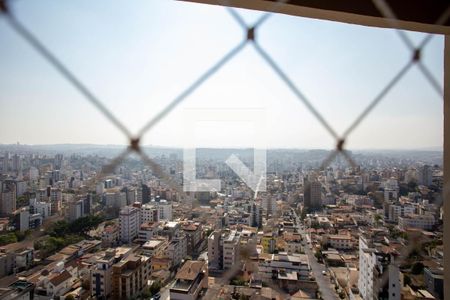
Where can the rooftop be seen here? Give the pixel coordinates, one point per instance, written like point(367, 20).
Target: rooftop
point(190, 270)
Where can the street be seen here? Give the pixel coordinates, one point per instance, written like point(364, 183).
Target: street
point(325, 287)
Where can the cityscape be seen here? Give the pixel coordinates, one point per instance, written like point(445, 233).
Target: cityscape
point(224, 149)
point(73, 231)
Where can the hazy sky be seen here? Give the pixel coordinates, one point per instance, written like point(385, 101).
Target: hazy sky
point(137, 56)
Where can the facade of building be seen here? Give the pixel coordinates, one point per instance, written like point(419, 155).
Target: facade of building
point(130, 276)
point(373, 266)
point(312, 194)
point(8, 197)
point(129, 220)
point(340, 242)
point(190, 280)
point(155, 247)
point(416, 221)
point(270, 266)
point(223, 249)
point(101, 273)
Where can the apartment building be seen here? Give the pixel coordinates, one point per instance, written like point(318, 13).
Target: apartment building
point(7, 197)
point(425, 222)
point(190, 280)
point(231, 245)
point(312, 194)
point(339, 241)
point(223, 249)
point(157, 210)
point(193, 232)
point(176, 250)
point(129, 219)
point(101, 274)
point(374, 267)
point(110, 235)
point(130, 276)
point(399, 210)
point(271, 265)
point(148, 230)
point(155, 247)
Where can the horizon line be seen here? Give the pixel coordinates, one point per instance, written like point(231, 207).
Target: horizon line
point(425, 148)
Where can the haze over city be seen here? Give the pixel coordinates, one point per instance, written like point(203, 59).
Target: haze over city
point(226, 153)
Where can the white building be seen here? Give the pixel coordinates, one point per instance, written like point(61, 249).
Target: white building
point(115, 199)
point(231, 243)
point(129, 219)
point(177, 250)
point(100, 188)
point(75, 210)
point(373, 265)
point(42, 208)
point(223, 249)
point(367, 261)
point(149, 214)
point(276, 263)
point(21, 187)
point(398, 210)
point(148, 230)
point(416, 221)
point(391, 190)
point(157, 211)
point(425, 175)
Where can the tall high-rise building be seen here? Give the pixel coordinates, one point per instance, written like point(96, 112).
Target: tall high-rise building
point(58, 161)
point(269, 204)
point(130, 193)
point(256, 213)
point(102, 271)
point(87, 204)
point(146, 193)
point(312, 194)
point(130, 276)
point(223, 249)
point(76, 209)
point(55, 200)
point(129, 219)
point(375, 267)
point(16, 162)
point(8, 197)
point(5, 163)
point(425, 175)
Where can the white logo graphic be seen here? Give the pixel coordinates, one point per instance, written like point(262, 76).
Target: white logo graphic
point(256, 179)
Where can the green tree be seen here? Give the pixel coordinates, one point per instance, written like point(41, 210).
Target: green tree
point(378, 218)
point(59, 228)
point(69, 297)
point(155, 287)
point(8, 238)
point(146, 294)
point(85, 224)
point(319, 255)
point(239, 281)
point(22, 201)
